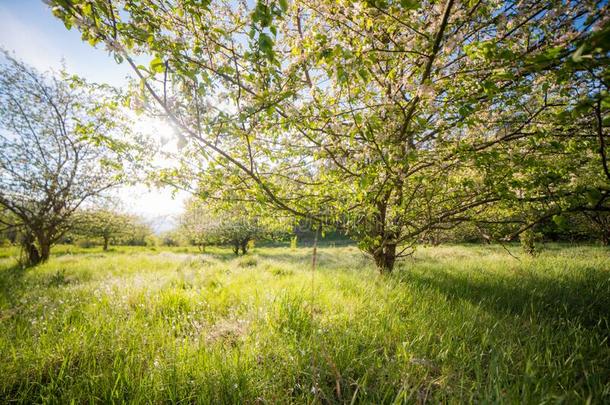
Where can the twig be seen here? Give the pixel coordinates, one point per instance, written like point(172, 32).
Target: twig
point(509, 252)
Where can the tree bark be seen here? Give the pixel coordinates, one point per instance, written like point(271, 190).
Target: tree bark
point(33, 256)
point(105, 243)
point(236, 248)
point(385, 258)
point(244, 246)
point(45, 248)
point(37, 248)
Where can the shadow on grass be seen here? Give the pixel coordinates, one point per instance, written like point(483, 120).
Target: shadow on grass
point(12, 284)
point(582, 297)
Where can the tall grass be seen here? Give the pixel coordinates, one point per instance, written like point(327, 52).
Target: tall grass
point(454, 324)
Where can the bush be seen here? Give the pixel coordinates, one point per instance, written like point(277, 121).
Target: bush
point(85, 243)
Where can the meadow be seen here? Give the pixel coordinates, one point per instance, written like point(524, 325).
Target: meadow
point(453, 324)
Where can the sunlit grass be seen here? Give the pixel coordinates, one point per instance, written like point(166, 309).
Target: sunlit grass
point(453, 324)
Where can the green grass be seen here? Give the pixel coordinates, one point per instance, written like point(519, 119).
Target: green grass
point(454, 324)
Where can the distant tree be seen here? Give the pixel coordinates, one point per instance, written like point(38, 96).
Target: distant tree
point(198, 226)
point(56, 151)
point(170, 238)
point(108, 226)
point(239, 230)
point(139, 233)
point(233, 223)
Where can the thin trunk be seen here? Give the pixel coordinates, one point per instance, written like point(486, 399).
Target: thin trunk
point(105, 243)
point(244, 246)
point(236, 248)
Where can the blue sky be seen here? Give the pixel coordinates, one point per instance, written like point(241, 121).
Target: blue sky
point(30, 31)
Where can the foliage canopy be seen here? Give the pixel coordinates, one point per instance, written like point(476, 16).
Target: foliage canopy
point(394, 118)
point(58, 149)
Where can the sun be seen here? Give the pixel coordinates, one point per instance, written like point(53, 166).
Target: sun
point(154, 203)
point(155, 128)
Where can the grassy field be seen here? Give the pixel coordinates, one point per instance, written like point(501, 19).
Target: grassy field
point(454, 324)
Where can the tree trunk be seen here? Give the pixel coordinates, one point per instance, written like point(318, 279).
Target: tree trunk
point(105, 243)
point(33, 255)
point(244, 246)
point(31, 251)
point(236, 248)
point(36, 254)
point(385, 257)
point(45, 248)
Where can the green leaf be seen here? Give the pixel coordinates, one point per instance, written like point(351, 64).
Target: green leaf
point(265, 44)
point(560, 221)
point(157, 65)
point(593, 196)
point(341, 75)
point(262, 14)
point(577, 56)
point(87, 9)
point(410, 4)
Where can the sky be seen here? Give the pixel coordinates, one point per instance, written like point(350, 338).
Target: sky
point(30, 31)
